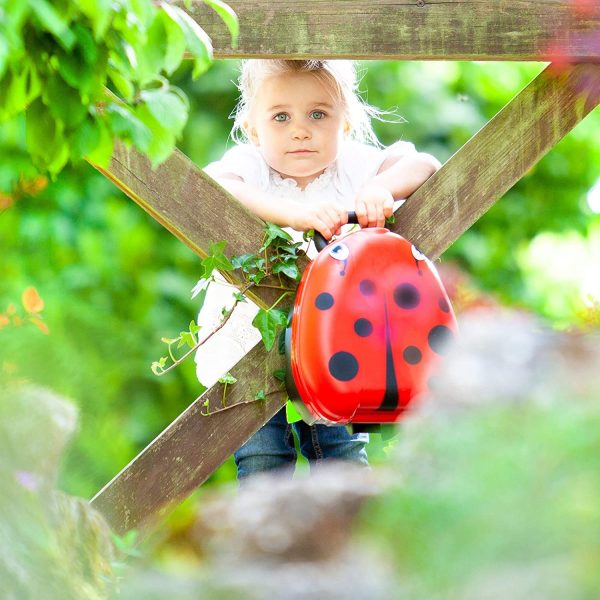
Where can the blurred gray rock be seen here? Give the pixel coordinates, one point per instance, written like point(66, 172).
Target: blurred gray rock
point(508, 357)
point(52, 546)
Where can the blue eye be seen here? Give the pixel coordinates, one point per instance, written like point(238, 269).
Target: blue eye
point(317, 112)
point(276, 117)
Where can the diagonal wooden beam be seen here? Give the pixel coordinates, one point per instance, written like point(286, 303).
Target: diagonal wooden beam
point(497, 156)
point(540, 30)
point(192, 447)
point(192, 206)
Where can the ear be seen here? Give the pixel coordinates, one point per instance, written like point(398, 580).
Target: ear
point(250, 133)
point(347, 128)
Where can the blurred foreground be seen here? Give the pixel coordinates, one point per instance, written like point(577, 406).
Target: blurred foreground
point(492, 491)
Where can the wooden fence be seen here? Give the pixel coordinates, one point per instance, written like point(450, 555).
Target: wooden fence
point(199, 212)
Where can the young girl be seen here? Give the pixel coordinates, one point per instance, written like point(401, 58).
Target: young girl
point(305, 155)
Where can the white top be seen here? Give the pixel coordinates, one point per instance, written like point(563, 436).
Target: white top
point(355, 165)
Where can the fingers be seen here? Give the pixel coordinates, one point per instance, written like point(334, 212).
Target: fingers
point(361, 214)
point(373, 206)
point(388, 208)
point(330, 218)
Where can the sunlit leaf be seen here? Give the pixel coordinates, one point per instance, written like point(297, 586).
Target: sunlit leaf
point(228, 16)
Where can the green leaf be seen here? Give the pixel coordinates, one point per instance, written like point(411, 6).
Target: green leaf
point(85, 41)
point(250, 263)
point(125, 125)
point(18, 88)
point(123, 84)
point(162, 141)
point(228, 378)
point(198, 42)
point(175, 43)
point(188, 338)
point(76, 72)
point(291, 413)
point(168, 106)
point(260, 395)
point(274, 232)
point(269, 323)
point(228, 16)
point(288, 268)
point(151, 55)
point(99, 13)
point(216, 259)
point(279, 374)
point(194, 327)
point(52, 21)
point(64, 102)
point(102, 153)
point(85, 139)
point(45, 139)
point(256, 277)
point(158, 366)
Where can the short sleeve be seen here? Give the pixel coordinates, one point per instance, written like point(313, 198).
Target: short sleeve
point(243, 160)
point(357, 163)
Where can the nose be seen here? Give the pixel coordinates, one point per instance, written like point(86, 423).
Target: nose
point(301, 132)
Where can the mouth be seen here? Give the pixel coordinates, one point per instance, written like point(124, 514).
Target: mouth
point(302, 152)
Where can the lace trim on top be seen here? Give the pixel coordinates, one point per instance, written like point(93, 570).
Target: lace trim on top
point(288, 184)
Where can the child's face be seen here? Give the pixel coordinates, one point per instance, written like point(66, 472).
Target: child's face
point(297, 125)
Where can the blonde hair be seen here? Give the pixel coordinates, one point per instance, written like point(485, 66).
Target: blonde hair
point(339, 74)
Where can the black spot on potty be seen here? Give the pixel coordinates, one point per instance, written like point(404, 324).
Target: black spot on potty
point(444, 305)
point(439, 338)
point(363, 327)
point(412, 355)
point(367, 287)
point(406, 295)
point(324, 301)
point(343, 366)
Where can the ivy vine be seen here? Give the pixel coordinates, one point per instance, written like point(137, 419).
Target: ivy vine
point(278, 256)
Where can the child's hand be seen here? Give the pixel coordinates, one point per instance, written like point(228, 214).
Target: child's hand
point(373, 205)
point(326, 217)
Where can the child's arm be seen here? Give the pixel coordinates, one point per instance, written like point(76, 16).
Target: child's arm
point(398, 177)
point(326, 217)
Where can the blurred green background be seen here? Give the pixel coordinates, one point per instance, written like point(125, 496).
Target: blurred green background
point(114, 281)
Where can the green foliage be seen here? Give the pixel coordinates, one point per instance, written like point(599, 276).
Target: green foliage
point(114, 281)
point(495, 497)
point(56, 60)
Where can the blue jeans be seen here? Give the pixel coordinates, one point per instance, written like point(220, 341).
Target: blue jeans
point(272, 446)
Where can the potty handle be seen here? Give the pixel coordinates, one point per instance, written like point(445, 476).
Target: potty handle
point(321, 242)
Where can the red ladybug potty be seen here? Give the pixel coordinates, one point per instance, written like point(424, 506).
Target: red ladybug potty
point(371, 320)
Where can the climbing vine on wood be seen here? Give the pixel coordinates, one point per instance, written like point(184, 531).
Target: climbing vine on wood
point(277, 256)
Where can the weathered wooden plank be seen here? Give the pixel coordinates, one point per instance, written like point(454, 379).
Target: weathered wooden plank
point(496, 157)
point(192, 206)
point(540, 30)
point(185, 454)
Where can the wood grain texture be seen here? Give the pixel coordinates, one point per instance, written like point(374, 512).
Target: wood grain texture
point(193, 207)
point(497, 156)
point(538, 30)
point(185, 454)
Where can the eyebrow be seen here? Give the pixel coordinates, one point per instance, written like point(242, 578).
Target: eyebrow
point(280, 106)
